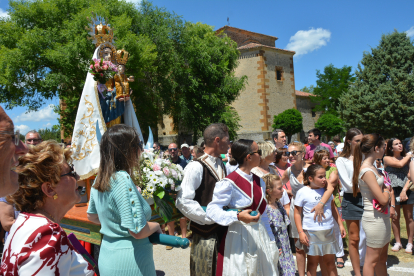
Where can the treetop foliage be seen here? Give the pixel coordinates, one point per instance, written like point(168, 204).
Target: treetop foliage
point(330, 85)
point(181, 69)
point(289, 120)
point(329, 124)
point(382, 97)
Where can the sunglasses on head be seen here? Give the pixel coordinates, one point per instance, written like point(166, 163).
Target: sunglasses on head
point(293, 152)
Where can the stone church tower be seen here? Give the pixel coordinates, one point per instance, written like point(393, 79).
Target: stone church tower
point(270, 87)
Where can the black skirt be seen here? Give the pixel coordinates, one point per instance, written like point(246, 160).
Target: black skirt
point(410, 195)
point(352, 207)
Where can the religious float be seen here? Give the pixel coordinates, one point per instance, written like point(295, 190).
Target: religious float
point(105, 102)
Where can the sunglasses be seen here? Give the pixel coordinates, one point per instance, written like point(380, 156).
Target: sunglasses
point(72, 173)
point(15, 136)
point(259, 152)
point(33, 140)
point(172, 149)
point(293, 152)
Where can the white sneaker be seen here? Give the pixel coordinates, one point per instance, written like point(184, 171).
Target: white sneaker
point(397, 246)
point(409, 248)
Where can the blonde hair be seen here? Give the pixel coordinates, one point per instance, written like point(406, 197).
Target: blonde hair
point(412, 144)
point(299, 145)
point(41, 164)
point(267, 148)
point(268, 179)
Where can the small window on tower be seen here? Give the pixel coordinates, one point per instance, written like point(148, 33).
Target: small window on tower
point(279, 75)
point(313, 114)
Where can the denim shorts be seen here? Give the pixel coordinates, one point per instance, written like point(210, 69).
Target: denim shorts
point(352, 207)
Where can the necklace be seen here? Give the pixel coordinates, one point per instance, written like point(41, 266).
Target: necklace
point(48, 214)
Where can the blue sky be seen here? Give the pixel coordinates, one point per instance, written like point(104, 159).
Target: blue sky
point(321, 32)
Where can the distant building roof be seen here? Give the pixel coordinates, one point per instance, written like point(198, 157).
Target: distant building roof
point(303, 94)
point(257, 45)
point(241, 30)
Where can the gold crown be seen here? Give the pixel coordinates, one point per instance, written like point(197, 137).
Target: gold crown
point(99, 31)
point(122, 56)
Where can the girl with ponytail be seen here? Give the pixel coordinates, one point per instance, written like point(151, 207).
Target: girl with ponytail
point(316, 237)
point(375, 221)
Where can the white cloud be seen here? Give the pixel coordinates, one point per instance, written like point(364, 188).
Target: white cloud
point(48, 125)
point(23, 129)
point(410, 32)
point(45, 114)
point(4, 13)
point(304, 42)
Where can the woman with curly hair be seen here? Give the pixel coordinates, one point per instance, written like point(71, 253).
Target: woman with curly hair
point(48, 190)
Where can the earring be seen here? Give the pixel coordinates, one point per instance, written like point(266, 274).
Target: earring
point(55, 196)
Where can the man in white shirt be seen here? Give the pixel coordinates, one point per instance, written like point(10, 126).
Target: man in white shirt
point(200, 177)
point(279, 138)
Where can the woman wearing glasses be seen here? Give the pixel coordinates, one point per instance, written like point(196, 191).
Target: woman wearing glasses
point(249, 246)
point(296, 152)
point(119, 208)
point(47, 190)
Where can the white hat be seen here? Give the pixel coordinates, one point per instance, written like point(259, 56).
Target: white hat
point(184, 146)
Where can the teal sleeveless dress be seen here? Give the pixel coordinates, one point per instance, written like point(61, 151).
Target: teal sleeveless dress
point(120, 210)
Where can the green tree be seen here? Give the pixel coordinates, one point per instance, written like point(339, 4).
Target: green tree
point(290, 121)
point(329, 124)
point(308, 89)
point(382, 98)
point(181, 69)
point(231, 118)
point(50, 134)
point(330, 85)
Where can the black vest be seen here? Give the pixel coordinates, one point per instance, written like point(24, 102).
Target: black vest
point(204, 195)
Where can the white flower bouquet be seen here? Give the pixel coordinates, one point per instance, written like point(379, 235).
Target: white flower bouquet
point(157, 179)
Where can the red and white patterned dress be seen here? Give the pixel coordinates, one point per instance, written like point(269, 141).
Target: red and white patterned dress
point(38, 246)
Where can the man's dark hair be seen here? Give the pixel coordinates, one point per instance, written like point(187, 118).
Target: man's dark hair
point(316, 132)
point(336, 139)
point(215, 130)
point(275, 134)
point(157, 144)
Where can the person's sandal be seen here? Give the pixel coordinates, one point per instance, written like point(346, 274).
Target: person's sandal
point(397, 246)
point(168, 247)
point(409, 248)
point(340, 264)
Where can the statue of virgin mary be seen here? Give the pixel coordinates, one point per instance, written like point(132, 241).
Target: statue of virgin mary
point(98, 107)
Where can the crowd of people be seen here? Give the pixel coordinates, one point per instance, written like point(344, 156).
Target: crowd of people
point(249, 204)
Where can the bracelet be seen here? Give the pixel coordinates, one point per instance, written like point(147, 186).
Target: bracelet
point(238, 212)
point(323, 204)
point(393, 206)
point(300, 232)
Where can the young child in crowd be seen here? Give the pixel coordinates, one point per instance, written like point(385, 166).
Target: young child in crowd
point(279, 221)
point(317, 238)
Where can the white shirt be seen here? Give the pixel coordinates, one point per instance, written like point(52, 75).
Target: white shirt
point(230, 168)
point(285, 198)
point(345, 171)
point(226, 194)
point(340, 147)
point(193, 175)
point(309, 198)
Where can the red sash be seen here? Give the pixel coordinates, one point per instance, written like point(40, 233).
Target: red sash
point(253, 191)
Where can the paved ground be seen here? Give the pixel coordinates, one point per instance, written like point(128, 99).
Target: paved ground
point(176, 262)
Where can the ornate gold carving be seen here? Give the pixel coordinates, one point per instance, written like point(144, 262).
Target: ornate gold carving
point(88, 132)
point(122, 56)
point(99, 31)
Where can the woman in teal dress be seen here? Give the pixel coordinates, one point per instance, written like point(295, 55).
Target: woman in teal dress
point(119, 208)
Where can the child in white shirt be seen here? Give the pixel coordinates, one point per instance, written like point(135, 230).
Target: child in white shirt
point(317, 238)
